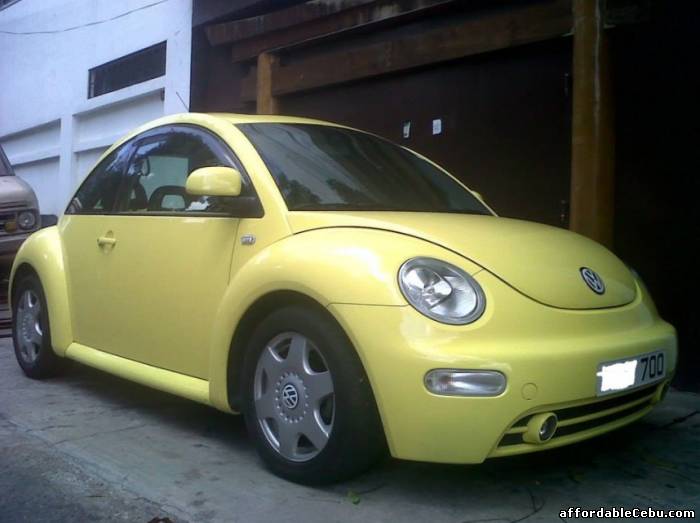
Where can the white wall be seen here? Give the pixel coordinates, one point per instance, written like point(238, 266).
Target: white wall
point(50, 130)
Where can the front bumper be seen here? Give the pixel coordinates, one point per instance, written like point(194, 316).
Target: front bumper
point(549, 356)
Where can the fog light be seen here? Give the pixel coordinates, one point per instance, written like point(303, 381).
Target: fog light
point(541, 428)
point(453, 382)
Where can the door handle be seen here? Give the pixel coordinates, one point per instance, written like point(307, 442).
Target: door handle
point(104, 241)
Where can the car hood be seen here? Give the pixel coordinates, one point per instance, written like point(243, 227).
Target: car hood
point(15, 192)
point(540, 261)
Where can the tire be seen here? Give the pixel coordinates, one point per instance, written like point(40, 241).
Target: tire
point(282, 397)
point(30, 330)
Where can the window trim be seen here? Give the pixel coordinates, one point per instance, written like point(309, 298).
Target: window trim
point(152, 134)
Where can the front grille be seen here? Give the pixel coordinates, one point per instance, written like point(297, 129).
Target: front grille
point(11, 205)
point(579, 418)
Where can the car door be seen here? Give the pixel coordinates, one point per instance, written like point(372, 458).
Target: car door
point(168, 261)
point(89, 254)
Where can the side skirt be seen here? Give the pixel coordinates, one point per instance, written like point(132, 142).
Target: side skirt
point(167, 381)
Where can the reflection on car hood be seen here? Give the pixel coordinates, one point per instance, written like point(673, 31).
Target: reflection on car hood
point(540, 261)
point(15, 192)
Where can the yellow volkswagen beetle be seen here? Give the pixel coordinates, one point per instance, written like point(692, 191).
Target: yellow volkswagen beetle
point(345, 294)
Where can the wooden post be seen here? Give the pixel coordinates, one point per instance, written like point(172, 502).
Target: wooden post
point(266, 103)
point(593, 148)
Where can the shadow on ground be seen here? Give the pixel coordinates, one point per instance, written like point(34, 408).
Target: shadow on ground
point(191, 449)
point(628, 454)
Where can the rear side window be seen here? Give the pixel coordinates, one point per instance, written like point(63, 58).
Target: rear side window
point(98, 193)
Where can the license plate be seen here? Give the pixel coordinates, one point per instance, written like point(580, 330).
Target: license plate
point(630, 373)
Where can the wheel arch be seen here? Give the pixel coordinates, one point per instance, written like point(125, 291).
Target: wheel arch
point(42, 255)
point(263, 306)
point(21, 271)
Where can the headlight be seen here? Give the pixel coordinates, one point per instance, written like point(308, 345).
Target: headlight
point(26, 219)
point(441, 291)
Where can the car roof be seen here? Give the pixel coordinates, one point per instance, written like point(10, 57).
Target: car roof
point(201, 118)
point(265, 118)
point(233, 118)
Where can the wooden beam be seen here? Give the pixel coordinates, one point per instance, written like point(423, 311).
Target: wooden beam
point(592, 148)
point(266, 102)
point(451, 40)
point(363, 17)
point(229, 32)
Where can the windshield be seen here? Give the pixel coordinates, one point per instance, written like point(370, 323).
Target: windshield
point(5, 168)
point(325, 168)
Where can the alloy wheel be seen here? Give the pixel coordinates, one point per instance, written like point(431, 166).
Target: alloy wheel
point(30, 331)
point(294, 397)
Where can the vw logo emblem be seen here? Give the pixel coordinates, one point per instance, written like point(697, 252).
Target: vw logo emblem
point(593, 280)
point(290, 396)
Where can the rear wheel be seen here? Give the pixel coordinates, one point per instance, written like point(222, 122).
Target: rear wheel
point(30, 330)
point(308, 403)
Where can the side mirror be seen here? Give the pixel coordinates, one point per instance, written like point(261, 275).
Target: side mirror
point(214, 181)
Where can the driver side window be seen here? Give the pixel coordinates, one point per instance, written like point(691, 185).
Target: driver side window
point(98, 193)
point(158, 171)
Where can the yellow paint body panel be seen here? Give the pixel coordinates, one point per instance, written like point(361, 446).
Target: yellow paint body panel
point(509, 249)
point(214, 181)
point(162, 304)
point(329, 265)
point(152, 297)
point(167, 381)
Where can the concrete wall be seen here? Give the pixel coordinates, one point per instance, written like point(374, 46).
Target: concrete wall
point(50, 130)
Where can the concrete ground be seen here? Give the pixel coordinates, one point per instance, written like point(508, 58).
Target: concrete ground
point(90, 447)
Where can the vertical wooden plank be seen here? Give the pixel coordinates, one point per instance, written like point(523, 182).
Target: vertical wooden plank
point(266, 103)
point(593, 149)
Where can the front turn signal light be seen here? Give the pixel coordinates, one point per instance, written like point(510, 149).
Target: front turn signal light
point(455, 382)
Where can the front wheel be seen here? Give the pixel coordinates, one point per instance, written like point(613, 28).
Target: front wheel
point(308, 403)
point(30, 330)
